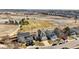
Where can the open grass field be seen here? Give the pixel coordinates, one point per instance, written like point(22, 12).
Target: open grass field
point(37, 24)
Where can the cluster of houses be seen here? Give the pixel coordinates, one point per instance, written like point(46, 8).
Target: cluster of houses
point(12, 21)
point(52, 35)
point(63, 13)
point(9, 21)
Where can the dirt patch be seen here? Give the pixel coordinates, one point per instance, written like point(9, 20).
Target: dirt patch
point(7, 29)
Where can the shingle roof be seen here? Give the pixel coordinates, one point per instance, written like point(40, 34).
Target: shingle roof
point(23, 34)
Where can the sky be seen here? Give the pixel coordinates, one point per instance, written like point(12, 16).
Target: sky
point(39, 4)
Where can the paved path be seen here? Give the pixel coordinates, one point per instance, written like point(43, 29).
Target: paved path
point(15, 31)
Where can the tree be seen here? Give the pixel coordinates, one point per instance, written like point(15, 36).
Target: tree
point(75, 19)
point(19, 22)
point(27, 18)
point(48, 34)
point(12, 22)
point(9, 21)
point(6, 22)
point(66, 31)
point(16, 22)
point(57, 31)
point(22, 21)
point(26, 23)
point(39, 35)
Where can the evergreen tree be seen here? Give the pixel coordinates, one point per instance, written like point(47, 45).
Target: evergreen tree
point(48, 35)
point(75, 18)
point(66, 31)
point(57, 31)
point(39, 35)
point(16, 22)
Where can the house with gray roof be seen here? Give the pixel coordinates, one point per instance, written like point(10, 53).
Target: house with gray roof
point(25, 37)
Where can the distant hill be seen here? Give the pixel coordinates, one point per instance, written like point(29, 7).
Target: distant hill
point(63, 13)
